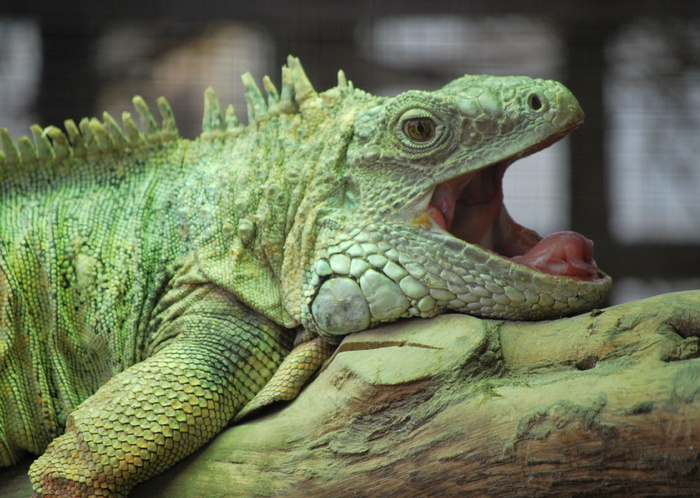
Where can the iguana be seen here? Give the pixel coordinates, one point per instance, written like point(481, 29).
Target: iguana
point(152, 286)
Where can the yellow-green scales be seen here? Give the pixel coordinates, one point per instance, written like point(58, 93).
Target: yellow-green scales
point(151, 286)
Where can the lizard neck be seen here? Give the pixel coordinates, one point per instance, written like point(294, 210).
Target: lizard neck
point(250, 207)
point(235, 207)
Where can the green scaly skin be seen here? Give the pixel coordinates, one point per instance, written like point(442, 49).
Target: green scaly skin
point(152, 286)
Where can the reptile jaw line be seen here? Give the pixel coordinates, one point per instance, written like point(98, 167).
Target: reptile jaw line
point(470, 207)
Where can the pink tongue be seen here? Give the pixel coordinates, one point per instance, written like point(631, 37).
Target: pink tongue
point(568, 254)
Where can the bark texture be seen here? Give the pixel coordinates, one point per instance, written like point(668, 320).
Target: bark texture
point(603, 403)
point(607, 402)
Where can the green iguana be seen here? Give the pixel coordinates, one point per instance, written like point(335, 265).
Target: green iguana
point(152, 286)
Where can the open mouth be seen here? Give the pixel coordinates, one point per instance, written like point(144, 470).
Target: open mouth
point(470, 207)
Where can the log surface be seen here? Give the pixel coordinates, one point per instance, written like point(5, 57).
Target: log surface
point(603, 403)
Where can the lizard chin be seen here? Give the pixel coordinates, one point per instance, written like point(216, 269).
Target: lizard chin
point(470, 207)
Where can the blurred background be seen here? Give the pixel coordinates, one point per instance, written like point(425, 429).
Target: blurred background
point(629, 178)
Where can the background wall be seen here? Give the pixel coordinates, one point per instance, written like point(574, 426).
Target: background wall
point(629, 178)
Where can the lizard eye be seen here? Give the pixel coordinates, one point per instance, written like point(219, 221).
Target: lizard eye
point(419, 129)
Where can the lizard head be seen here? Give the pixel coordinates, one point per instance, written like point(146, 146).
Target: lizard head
point(423, 228)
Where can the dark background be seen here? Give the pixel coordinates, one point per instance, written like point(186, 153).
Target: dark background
point(629, 178)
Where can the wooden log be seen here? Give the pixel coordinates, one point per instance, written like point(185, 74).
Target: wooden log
point(603, 403)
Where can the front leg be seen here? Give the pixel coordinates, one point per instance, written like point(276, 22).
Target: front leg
point(156, 412)
point(296, 369)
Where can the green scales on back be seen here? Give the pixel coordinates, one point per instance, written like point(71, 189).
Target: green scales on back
point(152, 286)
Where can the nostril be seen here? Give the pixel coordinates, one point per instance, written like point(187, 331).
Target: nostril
point(535, 102)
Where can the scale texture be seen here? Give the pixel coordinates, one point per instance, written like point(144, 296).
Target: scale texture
point(154, 288)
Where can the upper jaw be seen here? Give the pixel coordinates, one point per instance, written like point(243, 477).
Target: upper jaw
point(481, 187)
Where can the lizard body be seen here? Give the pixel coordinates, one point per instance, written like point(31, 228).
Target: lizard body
point(154, 288)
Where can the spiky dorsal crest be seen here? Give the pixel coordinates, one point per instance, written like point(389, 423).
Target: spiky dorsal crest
point(90, 138)
point(297, 92)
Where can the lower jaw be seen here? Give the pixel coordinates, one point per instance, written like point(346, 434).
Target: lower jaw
point(563, 254)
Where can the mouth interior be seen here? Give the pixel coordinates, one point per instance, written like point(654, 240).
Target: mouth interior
point(470, 207)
